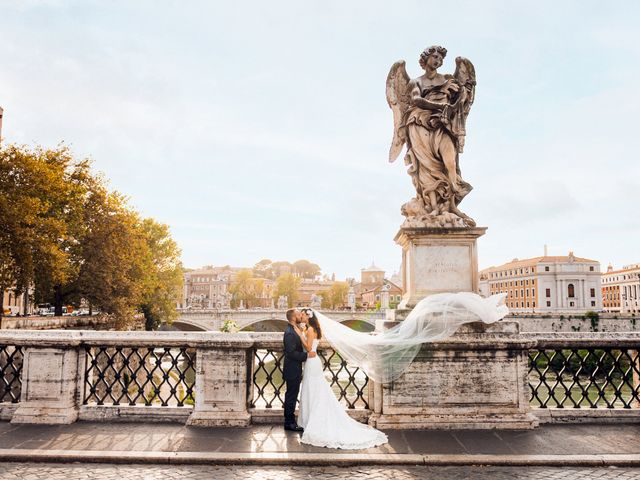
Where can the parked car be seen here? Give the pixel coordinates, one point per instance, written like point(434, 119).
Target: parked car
point(45, 309)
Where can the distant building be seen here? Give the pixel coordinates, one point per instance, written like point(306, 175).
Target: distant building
point(621, 289)
point(567, 284)
point(208, 287)
point(1, 114)
point(309, 289)
point(370, 290)
point(17, 303)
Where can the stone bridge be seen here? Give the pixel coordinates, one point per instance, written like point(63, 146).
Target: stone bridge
point(266, 320)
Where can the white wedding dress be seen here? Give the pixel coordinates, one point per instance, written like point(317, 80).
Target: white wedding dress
point(325, 421)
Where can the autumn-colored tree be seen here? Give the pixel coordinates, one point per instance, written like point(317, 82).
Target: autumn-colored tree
point(166, 276)
point(39, 190)
point(287, 284)
point(65, 233)
point(246, 289)
point(336, 296)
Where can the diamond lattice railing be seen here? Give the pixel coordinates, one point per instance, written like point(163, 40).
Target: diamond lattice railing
point(350, 384)
point(160, 376)
point(11, 359)
point(584, 377)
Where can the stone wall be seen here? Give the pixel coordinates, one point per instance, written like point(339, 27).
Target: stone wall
point(577, 323)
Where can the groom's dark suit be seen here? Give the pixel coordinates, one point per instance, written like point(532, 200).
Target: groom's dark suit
point(294, 355)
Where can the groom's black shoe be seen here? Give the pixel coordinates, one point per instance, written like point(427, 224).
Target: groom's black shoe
point(294, 427)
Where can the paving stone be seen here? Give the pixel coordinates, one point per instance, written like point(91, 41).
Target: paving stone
point(10, 471)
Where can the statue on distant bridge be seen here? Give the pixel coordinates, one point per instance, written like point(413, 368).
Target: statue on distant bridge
point(429, 117)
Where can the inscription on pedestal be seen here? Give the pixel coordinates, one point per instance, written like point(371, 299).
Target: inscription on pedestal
point(223, 386)
point(437, 260)
point(45, 376)
point(445, 268)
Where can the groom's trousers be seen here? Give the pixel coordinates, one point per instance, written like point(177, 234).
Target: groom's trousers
point(290, 398)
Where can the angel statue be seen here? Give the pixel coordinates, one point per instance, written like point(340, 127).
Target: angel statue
point(429, 115)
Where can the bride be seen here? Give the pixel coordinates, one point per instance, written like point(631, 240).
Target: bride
point(383, 357)
point(325, 421)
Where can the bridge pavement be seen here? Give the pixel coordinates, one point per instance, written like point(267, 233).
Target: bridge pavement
point(584, 445)
point(22, 471)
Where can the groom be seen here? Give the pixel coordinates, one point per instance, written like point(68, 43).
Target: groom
point(294, 355)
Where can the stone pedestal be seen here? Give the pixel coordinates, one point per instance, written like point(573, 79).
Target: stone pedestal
point(49, 383)
point(436, 260)
point(477, 379)
point(221, 388)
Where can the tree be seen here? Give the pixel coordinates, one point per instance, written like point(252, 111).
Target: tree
point(39, 190)
point(246, 289)
point(65, 233)
point(166, 278)
point(279, 268)
point(287, 284)
point(263, 269)
point(336, 296)
point(306, 269)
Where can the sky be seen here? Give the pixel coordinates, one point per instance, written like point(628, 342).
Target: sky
point(261, 129)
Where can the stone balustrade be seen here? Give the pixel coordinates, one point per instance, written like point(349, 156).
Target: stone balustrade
point(483, 377)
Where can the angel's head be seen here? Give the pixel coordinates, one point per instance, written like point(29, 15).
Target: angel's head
point(433, 56)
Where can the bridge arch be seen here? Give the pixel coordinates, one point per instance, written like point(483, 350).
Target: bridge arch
point(183, 327)
point(266, 325)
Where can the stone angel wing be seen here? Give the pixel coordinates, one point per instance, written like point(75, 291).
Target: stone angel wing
point(398, 100)
point(465, 75)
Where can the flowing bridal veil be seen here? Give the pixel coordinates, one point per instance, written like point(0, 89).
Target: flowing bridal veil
point(385, 356)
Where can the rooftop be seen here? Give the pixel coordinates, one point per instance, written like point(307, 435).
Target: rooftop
point(373, 268)
point(529, 262)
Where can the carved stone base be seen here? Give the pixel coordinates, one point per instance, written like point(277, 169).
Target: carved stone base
point(467, 420)
point(45, 415)
point(475, 379)
point(436, 260)
point(219, 419)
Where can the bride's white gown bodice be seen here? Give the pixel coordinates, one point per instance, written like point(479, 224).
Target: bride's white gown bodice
point(325, 421)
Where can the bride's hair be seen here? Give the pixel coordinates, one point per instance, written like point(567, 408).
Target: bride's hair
point(313, 321)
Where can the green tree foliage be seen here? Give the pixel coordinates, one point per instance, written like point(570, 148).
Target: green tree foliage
point(264, 269)
point(287, 284)
point(336, 296)
point(68, 235)
point(306, 269)
point(246, 289)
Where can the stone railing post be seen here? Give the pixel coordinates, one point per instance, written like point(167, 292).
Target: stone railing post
point(222, 381)
point(50, 379)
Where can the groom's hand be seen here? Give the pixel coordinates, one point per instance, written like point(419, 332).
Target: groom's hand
point(311, 354)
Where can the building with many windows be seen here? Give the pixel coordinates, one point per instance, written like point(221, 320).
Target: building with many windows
point(567, 284)
point(621, 289)
point(208, 287)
